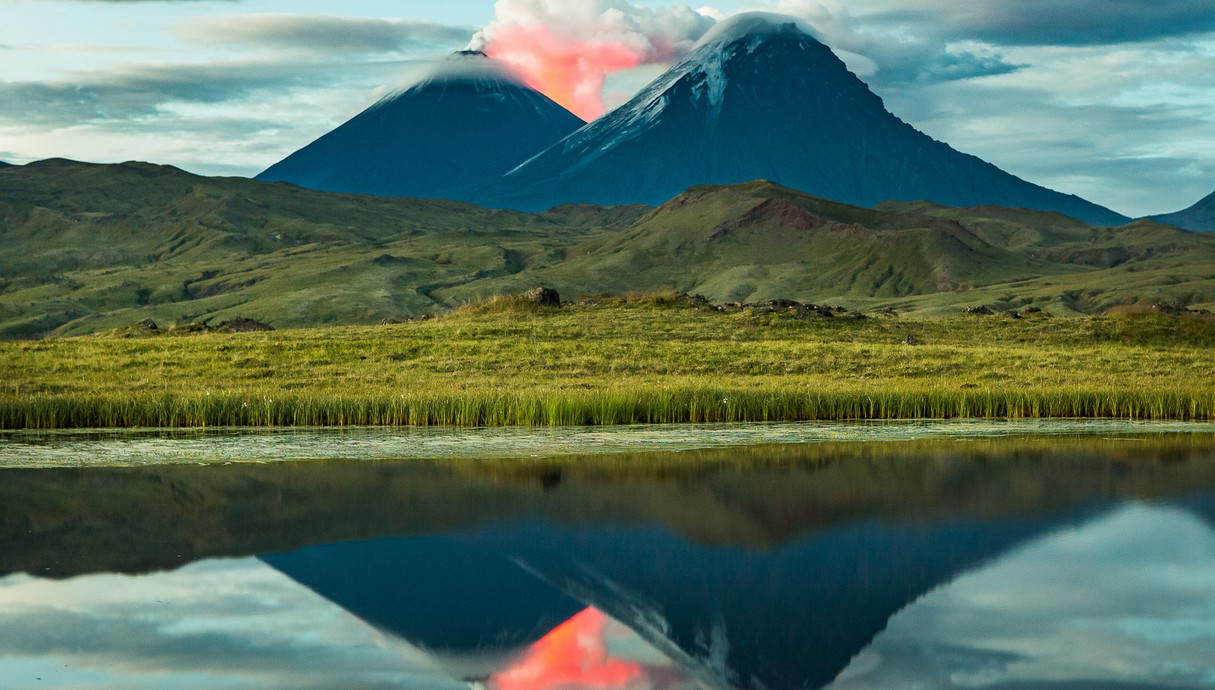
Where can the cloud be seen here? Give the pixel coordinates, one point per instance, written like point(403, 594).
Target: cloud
point(568, 49)
point(1081, 22)
point(1129, 129)
point(883, 51)
point(130, 92)
point(1035, 22)
point(228, 117)
point(138, 91)
point(322, 34)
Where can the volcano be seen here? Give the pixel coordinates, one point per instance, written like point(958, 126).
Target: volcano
point(469, 121)
point(1200, 217)
point(759, 98)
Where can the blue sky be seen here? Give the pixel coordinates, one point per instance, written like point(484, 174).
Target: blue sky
point(1114, 101)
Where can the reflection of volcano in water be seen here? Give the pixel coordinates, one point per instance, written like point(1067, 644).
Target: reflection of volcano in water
point(793, 616)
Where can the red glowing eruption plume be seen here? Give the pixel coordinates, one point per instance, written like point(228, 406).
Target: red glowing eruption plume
point(575, 655)
point(567, 70)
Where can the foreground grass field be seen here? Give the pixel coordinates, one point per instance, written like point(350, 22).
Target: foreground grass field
point(657, 359)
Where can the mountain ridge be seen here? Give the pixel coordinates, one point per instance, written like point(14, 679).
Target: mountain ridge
point(1199, 217)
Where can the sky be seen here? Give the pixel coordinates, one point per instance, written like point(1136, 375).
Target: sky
point(1113, 100)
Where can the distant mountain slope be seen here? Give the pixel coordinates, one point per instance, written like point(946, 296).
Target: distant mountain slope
point(759, 241)
point(761, 99)
point(1200, 217)
point(84, 248)
point(88, 247)
point(469, 122)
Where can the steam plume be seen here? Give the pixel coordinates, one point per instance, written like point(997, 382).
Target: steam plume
point(567, 49)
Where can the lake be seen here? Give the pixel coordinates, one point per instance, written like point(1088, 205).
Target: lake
point(1066, 554)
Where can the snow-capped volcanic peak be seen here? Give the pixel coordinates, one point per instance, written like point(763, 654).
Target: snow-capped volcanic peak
point(760, 97)
point(467, 120)
point(754, 27)
point(469, 66)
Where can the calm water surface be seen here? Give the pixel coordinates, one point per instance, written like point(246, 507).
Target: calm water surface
point(1068, 555)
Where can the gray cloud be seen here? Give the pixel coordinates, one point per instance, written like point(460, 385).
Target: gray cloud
point(951, 66)
point(323, 34)
point(1137, 158)
point(139, 91)
point(898, 55)
point(1054, 22)
point(926, 63)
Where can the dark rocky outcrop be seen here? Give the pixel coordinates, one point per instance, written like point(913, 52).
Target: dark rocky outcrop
point(1170, 307)
point(243, 325)
point(544, 296)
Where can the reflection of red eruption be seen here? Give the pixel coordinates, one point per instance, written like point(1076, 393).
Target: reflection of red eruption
point(575, 655)
point(569, 71)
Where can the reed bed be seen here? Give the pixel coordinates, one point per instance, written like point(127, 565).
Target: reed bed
point(639, 361)
point(595, 408)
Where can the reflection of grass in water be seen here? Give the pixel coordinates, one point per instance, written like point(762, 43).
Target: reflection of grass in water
point(642, 360)
point(142, 447)
point(79, 519)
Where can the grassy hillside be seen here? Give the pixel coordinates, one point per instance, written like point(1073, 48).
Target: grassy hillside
point(86, 248)
point(654, 359)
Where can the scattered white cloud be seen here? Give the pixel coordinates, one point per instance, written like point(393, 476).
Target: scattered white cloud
point(322, 34)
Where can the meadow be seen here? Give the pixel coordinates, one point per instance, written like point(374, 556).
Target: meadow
point(620, 360)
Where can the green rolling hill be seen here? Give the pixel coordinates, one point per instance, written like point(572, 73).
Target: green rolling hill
point(86, 248)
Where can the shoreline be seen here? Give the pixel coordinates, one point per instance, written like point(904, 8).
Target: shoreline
point(83, 448)
point(598, 408)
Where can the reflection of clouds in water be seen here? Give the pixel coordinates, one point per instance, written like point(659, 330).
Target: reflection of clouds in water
point(1127, 599)
point(211, 624)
